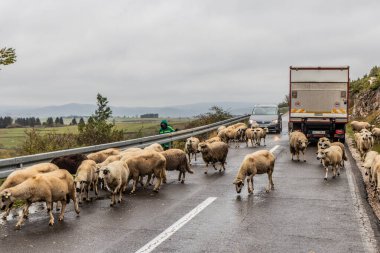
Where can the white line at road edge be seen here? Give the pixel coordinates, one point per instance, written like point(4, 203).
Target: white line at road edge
point(366, 232)
point(274, 148)
point(176, 226)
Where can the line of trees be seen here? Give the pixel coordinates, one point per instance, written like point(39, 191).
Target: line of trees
point(33, 121)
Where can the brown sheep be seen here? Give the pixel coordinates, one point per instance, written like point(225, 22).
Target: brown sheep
point(55, 186)
point(145, 164)
point(259, 162)
point(102, 155)
point(86, 178)
point(176, 160)
point(213, 139)
point(331, 156)
point(298, 143)
point(191, 147)
point(213, 153)
point(19, 176)
point(155, 147)
point(69, 162)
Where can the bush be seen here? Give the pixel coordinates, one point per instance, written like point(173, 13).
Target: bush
point(38, 143)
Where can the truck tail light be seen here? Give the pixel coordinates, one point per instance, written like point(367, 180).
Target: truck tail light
point(339, 131)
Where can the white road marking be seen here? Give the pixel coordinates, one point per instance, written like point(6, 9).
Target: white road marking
point(176, 226)
point(366, 232)
point(274, 148)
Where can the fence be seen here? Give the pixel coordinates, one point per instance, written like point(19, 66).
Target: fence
point(8, 165)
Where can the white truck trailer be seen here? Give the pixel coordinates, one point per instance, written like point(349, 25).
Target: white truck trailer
point(318, 101)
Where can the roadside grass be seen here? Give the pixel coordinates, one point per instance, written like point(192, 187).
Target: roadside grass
point(11, 139)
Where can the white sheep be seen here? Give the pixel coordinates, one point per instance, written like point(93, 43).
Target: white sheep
point(259, 162)
point(102, 155)
point(115, 176)
point(359, 125)
point(376, 134)
point(368, 163)
point(375, 172)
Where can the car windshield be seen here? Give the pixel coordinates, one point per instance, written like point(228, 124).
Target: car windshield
point(264, 111)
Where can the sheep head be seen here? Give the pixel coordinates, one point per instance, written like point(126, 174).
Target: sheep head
point(6, 199)
point(239, 183)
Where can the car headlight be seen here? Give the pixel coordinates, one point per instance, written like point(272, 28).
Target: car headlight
point(275, 121)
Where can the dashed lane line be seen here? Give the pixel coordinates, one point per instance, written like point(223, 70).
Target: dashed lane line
point(150, 246)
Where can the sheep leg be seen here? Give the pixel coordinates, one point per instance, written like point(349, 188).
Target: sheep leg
point(183, 179)
point(189, 155)
point(159, 180)
point(179, 175)
point(96, 187)
point(327, 171)
point(25, 210)
point(298, 156)
point(22, 219)
point(264, 143)
point(164, 176)
point(250, 184)
point(195, 156)
point(303, 155)
point(113, 199)
point(61, 216)
point(333, 168)
point(49, 209)
point(7, 211)
point(75, 199)
point(120, 196)
point(147, 183)
point(206, 169)
point(338, 168)
point(134, 185)
point(87, 193)
point(270, 181)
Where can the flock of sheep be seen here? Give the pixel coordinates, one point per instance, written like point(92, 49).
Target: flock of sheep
point(332, 154)
point(112, 169)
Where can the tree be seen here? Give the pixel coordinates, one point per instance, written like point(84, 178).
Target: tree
point(98, 130)
point(61, 121)
point(284, 103)
point(56, 121)
point(49, 122)
point(7, 56)
point(74, 122)
point(38, 122)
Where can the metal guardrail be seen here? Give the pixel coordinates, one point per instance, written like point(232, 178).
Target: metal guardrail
point(8, 165)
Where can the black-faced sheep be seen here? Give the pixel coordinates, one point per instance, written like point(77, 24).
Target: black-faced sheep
point(214, 153)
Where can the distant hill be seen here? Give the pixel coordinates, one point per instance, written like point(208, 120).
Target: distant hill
point(74, 109)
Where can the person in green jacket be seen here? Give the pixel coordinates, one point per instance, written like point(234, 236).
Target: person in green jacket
point(166, 128)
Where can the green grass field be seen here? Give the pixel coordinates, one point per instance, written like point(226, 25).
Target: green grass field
point(12, 138)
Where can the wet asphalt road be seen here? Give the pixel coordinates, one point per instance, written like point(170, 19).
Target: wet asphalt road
point(303, 214)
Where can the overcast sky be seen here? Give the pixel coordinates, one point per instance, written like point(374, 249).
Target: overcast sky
point(158, 53)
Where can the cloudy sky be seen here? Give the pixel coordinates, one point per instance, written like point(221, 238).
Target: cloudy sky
point(158, 53)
